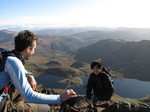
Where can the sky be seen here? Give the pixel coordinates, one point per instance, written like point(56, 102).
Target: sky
point(60, 13)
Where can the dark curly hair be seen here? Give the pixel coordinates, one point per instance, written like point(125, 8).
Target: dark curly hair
point(24, 39)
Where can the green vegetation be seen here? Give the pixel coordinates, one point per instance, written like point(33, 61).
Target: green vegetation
point(138, 102)
point(72, 81)
point(53, 63)
point(64, 72)
point(35, 69)
point(124, 59)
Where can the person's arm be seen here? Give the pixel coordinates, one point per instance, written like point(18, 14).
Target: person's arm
point(16, 71)
point(89, 88)
point(32, 82)
point(65, 95)
point(28, 73)
point(31, 79)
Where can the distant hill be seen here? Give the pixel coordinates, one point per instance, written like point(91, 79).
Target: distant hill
point(67, 31)
point(61, 40)
point(6, 39)
point(130, 58)
point(121, 55)
point(66, 40)
point(47, 46)
point(128, 34)
point(59, 31)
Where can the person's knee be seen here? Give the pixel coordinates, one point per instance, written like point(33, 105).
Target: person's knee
point(43, 108)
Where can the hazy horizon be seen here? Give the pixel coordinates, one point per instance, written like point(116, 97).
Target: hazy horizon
point(75, 13)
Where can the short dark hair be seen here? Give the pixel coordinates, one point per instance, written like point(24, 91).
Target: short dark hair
point(24, 39)
point(95, 63)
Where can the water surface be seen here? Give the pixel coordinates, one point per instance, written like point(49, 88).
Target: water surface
point(129, 88)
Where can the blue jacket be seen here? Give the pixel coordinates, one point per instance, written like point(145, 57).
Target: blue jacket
point(12, 69)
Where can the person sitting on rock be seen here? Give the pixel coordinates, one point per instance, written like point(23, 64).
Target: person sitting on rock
point(21, 96)
point(100, 83)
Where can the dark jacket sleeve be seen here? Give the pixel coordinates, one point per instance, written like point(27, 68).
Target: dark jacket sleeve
point(109, 88)
point(89, 87)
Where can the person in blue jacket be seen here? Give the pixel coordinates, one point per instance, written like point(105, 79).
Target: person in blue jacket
point(25, 98)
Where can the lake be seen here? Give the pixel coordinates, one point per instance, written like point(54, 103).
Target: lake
point(128, 88)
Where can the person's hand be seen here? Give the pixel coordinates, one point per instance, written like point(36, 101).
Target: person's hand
point(67, 94)
point(32, 82)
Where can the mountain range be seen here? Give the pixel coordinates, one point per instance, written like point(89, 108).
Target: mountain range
point(124, 50)
point(129, 58)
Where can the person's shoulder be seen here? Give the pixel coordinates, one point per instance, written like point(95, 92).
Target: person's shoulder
point(14, 63)
point(105, 70)
point(92, 74)
point(104, 74)
point(12, 59)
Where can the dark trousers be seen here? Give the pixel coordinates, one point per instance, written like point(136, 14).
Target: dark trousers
point(15, 103)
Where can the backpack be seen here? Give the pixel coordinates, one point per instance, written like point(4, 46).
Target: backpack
point(3, 92)
point(107, 71)
point(3, 54)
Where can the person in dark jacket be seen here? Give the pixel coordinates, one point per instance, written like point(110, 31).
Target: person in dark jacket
point(99, 83)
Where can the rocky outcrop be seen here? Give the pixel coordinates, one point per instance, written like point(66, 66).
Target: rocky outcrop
point(82, 104)
point(108, 107)
point(122, 107)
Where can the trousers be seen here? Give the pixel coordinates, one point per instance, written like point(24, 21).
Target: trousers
point(16, 103)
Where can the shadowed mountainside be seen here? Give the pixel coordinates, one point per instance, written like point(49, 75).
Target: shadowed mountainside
point(130, 58)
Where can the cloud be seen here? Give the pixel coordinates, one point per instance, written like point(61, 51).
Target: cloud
point(109, 13)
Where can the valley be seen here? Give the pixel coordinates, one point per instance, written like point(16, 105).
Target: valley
point(70, 55)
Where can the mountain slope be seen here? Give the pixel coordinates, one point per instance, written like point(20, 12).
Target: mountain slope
point(128, 34)
point(48, 46)
point(130, 58)
point(6, 39)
